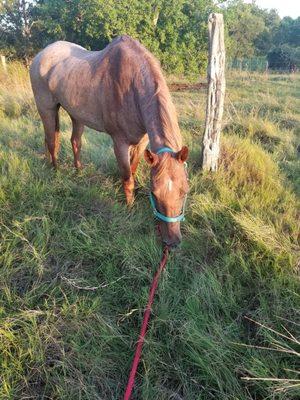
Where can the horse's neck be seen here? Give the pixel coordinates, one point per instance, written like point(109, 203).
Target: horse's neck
point(163, 134)
point(158, 140)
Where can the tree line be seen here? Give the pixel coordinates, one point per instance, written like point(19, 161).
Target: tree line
point(174, 30)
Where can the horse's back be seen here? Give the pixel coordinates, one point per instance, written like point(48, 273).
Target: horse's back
point(61, 74)
point(56, 53)
point(106, 90)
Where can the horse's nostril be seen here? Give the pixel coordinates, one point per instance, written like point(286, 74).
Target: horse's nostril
point(172, 245)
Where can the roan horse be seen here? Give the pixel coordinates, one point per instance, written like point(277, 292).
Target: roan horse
point(121, 91)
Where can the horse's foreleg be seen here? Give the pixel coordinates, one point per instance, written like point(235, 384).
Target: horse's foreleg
point(136, 152)
point(51, 126)
point(76, 141)
point(122, 152)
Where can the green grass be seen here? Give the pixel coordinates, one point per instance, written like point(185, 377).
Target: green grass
point(76, 264)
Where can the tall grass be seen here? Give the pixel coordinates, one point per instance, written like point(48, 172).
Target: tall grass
point(76, 263)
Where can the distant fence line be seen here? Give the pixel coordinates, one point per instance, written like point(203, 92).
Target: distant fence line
point(250, 64)
point(257, 64)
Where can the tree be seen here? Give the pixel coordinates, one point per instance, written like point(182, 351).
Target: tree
point(288, 32)
point(174, 30)
point(284, 57)
point(265, 40)
point(285, 52)
point(15, 28)
point(244, 25)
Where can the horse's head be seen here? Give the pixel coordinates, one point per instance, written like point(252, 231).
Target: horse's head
point(169, 187)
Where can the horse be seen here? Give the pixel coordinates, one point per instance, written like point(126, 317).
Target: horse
point(121, 91)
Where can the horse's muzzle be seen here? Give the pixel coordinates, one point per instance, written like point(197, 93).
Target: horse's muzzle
point(174, 245)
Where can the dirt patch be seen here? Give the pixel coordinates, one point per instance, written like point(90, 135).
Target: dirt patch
point(184, 87)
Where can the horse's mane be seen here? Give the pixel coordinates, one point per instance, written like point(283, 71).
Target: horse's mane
point(146, 63)
point(167, 112)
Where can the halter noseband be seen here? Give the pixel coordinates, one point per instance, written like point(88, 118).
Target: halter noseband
point(157, 214)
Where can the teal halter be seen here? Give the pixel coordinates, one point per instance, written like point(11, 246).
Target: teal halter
point(157, 214)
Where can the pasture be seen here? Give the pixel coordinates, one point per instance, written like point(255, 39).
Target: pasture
point(76, 264)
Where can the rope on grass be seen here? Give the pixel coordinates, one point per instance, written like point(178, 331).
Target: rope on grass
point(144, 326)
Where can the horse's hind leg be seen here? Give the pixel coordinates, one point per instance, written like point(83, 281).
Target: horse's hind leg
point(76, 141)
point(50, 121)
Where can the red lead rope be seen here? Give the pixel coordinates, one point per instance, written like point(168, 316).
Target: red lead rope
point(144, 327)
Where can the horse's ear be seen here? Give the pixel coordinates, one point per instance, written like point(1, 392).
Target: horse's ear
point(151, 158)
point(183, 154)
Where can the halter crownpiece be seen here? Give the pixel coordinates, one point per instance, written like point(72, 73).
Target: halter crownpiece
point(157, 214)
point(165, 150)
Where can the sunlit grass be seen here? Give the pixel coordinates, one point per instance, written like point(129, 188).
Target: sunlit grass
point(76, 264)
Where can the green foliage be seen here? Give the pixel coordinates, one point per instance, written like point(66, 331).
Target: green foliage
point(15, 29)
point(284, 57)
point(244, 25)
point(285, 53)
point(252, 31)
point(174, 30)
point(266, 39)
point(76, 264)
point(170, 29)
point(288, 32)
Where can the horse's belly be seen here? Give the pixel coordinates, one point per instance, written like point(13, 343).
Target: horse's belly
point(92, 121)
point(88, 116)
point(77, 96)
point(97, 125)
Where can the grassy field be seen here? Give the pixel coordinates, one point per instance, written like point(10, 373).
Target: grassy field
point(76, 264)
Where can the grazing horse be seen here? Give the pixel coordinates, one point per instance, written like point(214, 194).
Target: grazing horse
point(121, 91)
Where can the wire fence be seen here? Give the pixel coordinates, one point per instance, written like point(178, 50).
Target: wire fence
point(260, 64)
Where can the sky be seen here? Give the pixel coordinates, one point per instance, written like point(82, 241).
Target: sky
point(285, 8)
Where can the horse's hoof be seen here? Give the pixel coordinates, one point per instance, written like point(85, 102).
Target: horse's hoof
point(78, 166)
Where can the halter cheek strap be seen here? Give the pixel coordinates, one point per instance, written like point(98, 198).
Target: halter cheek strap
point(157, 214)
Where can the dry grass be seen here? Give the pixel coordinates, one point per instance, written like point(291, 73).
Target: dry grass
point(76, 263)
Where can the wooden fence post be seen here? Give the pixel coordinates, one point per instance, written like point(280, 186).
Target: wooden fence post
point(267, 67)
point(215, 93)
point(3, 63)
